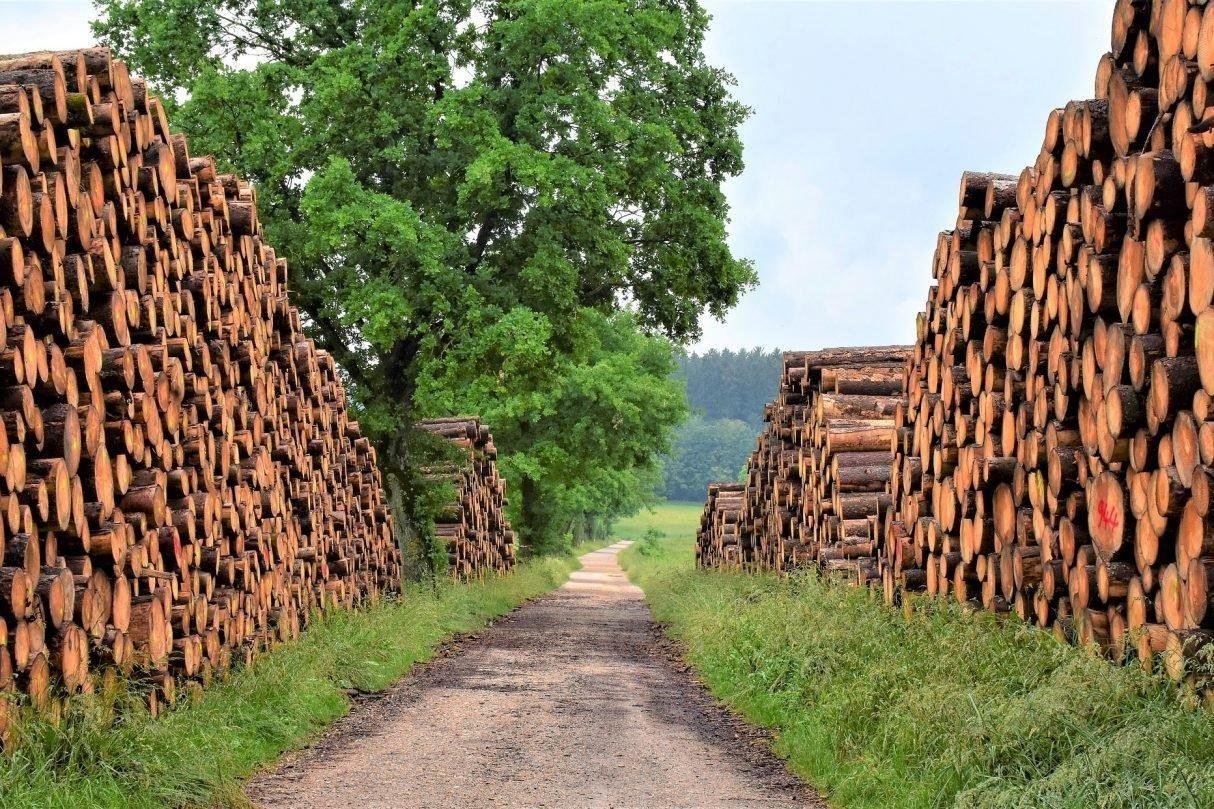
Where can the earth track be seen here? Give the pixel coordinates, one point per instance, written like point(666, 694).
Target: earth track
point(574, 700)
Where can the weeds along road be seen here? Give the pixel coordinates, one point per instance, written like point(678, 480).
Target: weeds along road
point(572, 701)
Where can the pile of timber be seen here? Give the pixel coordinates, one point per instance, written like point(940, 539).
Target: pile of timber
point(473, 525)
point(771, 526)
point(1056, 452)
point(718, 542)
point(846, 449)
point(180, 484)
point(820, 466)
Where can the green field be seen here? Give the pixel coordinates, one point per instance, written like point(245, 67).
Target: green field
point(673, 520)
point(936, 707)
point(197, 754)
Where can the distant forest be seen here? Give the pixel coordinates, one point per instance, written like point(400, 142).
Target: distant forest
point(731, 384)
point(726, 391)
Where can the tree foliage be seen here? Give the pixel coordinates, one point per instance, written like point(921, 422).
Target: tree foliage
point(586, 436)
point(475, 191)
point(726, 391)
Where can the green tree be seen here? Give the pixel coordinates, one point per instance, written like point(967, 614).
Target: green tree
point(726, 384)
point(442, 173)
point(726, 392)
point(586, 436)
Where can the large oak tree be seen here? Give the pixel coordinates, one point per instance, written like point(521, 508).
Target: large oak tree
point(473, 195)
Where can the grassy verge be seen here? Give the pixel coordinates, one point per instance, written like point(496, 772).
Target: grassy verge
point(198, 753)
point(933, 708)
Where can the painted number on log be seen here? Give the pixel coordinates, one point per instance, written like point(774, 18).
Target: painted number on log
point(1106, 515)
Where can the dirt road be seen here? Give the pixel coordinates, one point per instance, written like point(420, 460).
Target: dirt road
point(572, 701)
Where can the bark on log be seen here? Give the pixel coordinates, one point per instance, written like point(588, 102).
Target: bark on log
point(180, 482)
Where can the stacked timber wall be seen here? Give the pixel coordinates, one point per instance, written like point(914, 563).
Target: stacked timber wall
point(1055, 457)
point(719, 539)
point(180, 484)
point(1054, 451)
point(473, 526)
point(815, 484)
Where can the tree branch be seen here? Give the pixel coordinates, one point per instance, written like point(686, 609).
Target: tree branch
point(483, 235)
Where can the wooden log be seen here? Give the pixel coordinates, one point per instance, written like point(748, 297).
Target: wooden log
point(473, 525)
point(1052, 427)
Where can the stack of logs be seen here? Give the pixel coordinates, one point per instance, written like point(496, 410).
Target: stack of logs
point(473, 525)
point(719, 540)
point(180, 484)
point(770, 521)
point(846, 449)
point(816, 480)
point(1056, 452)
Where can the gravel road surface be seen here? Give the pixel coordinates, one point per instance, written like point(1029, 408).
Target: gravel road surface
point(574, 700)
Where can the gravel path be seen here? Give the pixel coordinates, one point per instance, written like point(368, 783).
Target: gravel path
point(574, 700)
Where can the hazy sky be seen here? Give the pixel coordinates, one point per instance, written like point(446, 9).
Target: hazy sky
point(865, 115)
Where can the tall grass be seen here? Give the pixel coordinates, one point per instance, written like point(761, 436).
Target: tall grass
point(933, 707)
point(197, 754)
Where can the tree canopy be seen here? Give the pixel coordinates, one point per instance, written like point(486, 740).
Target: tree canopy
point(507, 206)
point(705, 451)
point(610, 398)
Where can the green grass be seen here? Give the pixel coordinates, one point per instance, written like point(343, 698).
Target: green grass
point(198, 753)
point(879, 708)
point(670, 519)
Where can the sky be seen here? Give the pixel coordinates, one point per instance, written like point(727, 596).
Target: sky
point(865, 113)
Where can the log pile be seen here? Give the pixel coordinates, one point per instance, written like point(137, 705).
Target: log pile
point(180, 484)
point(1056, 450)
point(819, 469)
point(719, 540)
point(846, 449)
point(473, 525)
point(771, 525)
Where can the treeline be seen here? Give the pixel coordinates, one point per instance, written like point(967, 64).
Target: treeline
point(726, 392)
point(727, 384)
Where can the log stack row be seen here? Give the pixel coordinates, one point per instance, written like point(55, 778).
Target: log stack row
point(180, 484)
point(719, 539)
point(771, 523)
point(1056, 449)
point(473, 525)
point(816, 480)
point(1054, 453)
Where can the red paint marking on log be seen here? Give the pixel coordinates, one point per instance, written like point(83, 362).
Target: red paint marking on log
point(1106, 515)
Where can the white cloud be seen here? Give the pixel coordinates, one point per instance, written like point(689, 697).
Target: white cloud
point(46, 25)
